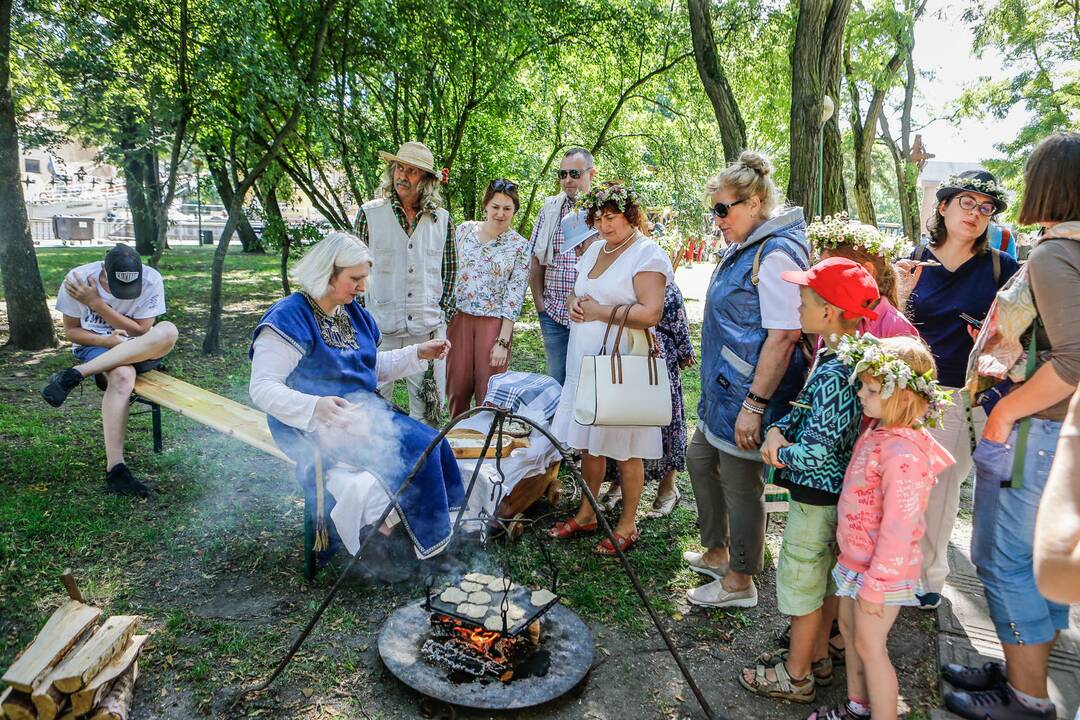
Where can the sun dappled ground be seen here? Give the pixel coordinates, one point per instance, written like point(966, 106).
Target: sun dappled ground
point(213, 558)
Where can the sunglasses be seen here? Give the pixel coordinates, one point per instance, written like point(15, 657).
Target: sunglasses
point(502, 185)
point(575, 174)
point(967, 202)
point(720, 209)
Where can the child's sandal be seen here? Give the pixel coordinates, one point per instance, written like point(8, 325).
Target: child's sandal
point(784, 687)
point(822, 669)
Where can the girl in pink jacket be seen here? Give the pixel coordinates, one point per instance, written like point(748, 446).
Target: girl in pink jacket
point(880, 515)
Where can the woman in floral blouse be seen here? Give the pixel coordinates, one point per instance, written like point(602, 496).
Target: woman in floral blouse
point(492, 274)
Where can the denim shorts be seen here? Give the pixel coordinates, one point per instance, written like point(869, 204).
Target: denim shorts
point(86, 353)
point(807, 556)
point(1002, 539)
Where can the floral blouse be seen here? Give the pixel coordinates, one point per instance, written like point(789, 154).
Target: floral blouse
point(491, 276)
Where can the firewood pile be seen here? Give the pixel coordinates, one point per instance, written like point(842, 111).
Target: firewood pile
point(80, 665)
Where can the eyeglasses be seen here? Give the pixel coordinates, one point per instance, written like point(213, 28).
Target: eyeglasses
point(575, 174)
point(502, 185)
point(967, 202)
point(720, 209)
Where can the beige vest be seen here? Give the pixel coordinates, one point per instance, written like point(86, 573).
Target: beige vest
point(551, 212)
point(405, 285)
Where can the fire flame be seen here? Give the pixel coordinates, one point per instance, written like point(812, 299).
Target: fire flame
point(482, 640)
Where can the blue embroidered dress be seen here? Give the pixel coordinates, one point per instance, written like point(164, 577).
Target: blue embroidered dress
point(338, 359)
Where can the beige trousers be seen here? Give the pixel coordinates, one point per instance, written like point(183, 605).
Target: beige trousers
point(412, 382)
point(955, 436)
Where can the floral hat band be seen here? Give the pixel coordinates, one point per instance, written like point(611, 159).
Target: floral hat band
point(976, 181)
point(609, 192)
point(836, 230)
point(864, 354)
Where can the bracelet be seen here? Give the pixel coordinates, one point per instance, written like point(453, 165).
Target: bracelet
point(503, 343)
point(752, 408)
point(757, 398)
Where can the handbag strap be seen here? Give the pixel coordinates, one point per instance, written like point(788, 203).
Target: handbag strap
point(1017, 480)
point(616, 352)
point(607, 330)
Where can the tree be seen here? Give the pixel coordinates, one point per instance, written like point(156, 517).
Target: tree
point(906, 157)
point(31, 326)
point(714, 79)
point(815, 63)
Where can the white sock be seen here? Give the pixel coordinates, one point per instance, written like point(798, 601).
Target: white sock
point(1030, 701)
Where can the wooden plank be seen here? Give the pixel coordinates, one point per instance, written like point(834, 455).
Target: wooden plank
point(48, 699)
point(61, 631)
point(117, 704)
point(78, 668)
point(466, 448)
point(17, 705)
point(94, 692)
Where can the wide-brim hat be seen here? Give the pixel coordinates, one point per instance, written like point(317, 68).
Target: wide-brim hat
point(416, 154)
point(976, 181)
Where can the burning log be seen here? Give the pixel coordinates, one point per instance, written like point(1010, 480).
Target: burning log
point(460, 656)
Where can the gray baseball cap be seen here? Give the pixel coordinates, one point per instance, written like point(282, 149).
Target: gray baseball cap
point(124, 269)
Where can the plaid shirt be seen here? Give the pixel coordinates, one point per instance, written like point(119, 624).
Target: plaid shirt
point(560, 275)
point(449, 259)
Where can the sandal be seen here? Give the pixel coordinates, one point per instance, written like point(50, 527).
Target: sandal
point(822, 669)
point(625, 542)
point(782, 688)
point(837, 654)
point(842, 712)
point(570, 527)
point(664, 504)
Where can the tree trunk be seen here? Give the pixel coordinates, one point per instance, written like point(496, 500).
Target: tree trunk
point(711, 71)
point(818, 39)
point(143, 196)
point(835, 200)
point(29, 322)
point(249, 241)
point(273, 210)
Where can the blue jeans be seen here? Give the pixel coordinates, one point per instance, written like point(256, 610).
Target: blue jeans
point(1001, 542)
point(556, 338)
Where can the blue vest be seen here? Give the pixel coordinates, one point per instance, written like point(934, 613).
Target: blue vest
point(731, 333)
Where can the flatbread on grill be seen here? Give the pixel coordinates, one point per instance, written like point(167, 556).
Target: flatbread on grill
point(542, 597)
point(473, 611)
point(495, 622)
point(500, 585)
point(471, 587)
point(453, 595)
point(479, 598)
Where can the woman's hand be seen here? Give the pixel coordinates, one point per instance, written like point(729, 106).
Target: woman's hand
point(770, 451)
point(590, 309)
point(1000, 423)
point(869, 608)
point(331, 411)
point(747, 430)
point(500, 356)
point(573, 307)
point(908, 273)
point(433, 349)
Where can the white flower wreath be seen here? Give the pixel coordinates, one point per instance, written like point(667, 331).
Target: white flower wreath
point(836, 230)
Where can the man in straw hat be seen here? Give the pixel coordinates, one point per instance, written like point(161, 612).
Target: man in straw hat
point(414, 265)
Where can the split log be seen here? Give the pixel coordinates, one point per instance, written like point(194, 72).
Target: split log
point(78, 668)
point(62, 630)
point(95, 691)
point(47, 698)
point(17, 705)
point(117, 704)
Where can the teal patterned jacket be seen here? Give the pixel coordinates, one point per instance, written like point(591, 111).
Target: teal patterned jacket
point(824, 436)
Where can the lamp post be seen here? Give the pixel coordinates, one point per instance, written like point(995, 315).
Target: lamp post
point(827, 109)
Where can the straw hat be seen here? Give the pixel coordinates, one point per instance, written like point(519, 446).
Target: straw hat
point(416, 154)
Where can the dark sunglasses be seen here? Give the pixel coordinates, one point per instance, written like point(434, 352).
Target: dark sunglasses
point(575, 174)
point(720, 210)
point(502, 185)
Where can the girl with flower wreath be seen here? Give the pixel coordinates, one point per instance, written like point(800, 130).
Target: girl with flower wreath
point(880, 515)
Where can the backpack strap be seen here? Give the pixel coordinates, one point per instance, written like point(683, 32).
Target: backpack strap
point(1017, 480)
point(756, 271)
point(995, 258)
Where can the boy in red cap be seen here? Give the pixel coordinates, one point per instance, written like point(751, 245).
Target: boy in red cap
point(810, 448)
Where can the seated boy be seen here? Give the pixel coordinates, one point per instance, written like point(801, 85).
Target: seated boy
point(109, 309)
point(811, 447)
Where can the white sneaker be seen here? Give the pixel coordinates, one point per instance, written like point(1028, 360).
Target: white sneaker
point(714, 595)
point(696, 562)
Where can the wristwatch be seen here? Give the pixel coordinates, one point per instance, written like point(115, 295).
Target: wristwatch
point(503, 343)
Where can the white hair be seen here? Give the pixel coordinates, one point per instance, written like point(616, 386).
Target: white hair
point(335, 251)
point(428, 188)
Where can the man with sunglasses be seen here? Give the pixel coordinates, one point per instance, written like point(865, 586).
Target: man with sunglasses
point(553, 272)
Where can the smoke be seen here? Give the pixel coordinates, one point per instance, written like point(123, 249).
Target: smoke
point(369, 440)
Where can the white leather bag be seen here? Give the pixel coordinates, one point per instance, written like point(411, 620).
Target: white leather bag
point(624, 389)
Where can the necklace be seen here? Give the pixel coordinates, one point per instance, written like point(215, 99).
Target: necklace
point(618, 247)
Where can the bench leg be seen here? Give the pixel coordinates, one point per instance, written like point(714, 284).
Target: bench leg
point(309, 543)
point(155, 417)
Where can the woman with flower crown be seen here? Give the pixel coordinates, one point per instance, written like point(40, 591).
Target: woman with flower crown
point(955, 277)
point(627, 268)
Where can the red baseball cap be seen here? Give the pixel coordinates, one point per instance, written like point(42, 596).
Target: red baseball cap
point(841, 282)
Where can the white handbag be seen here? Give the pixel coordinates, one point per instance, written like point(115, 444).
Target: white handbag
point(624, 389)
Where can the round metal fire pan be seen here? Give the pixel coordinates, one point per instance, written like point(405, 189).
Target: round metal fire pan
point(563, 633)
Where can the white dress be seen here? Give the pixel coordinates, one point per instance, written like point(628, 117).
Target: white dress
point(615, 286)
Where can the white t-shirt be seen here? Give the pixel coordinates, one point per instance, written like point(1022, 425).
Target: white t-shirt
point(149, 304)
point(779, 298)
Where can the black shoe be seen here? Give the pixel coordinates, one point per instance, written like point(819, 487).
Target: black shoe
point(997, 704)
point(929, 601)
point(987, 677)
point(60, 385)
point(122, 482)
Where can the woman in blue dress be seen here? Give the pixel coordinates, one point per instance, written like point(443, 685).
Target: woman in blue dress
point(315, 373)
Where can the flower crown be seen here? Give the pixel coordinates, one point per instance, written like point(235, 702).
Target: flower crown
point(621, 195)
point(864, 354)
point(839, 229)
point(974, 184)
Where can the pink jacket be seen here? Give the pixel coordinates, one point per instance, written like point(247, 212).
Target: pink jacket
point(890, 323)
point(880, 516)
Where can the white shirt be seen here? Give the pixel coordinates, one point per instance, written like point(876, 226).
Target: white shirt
point(274, 360)
point(149, 304)
point(779, 299)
